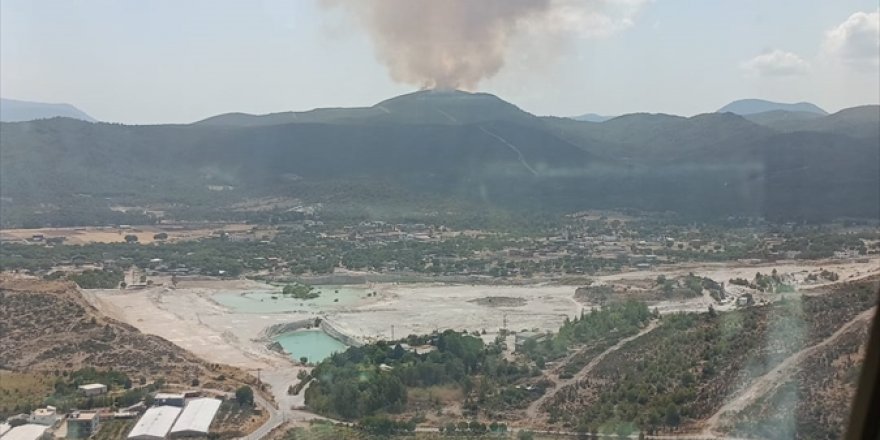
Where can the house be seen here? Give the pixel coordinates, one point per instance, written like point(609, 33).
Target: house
point(93, 389)
point(745, 300)
point(44, 416)
point(82, 424)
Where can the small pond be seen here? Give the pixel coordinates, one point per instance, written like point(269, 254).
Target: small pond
point(313, 344)
point(271, 301)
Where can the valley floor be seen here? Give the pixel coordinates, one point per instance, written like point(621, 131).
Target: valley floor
point(188, 315)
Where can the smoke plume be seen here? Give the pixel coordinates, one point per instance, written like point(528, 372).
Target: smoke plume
point(445, 44)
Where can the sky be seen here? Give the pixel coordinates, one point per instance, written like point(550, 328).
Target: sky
point(171, 61)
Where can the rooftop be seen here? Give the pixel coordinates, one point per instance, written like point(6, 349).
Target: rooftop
point(197, 415)
point(83, 416)
point(156, 422)
point(25, 432)
point(92, 386)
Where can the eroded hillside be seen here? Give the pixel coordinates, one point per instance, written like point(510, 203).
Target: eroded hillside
point(48, 326)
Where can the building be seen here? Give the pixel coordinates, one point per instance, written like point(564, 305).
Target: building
point(93, 389)
point(523, 337)
point(155, 423)
point(44, 416)
point(82, 424)
point(26, 432)
point(169, 399)
point(196, 418)
point(4, 428)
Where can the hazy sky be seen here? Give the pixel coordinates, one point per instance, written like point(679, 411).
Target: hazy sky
point(180, 61)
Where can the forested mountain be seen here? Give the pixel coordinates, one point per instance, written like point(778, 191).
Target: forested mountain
point(445, 107)
point(474, 149)
point(12, 110)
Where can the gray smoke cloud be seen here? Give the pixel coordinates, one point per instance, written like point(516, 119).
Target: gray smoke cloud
point(445, 44)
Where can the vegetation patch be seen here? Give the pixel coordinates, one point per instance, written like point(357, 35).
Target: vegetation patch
point(500, 301)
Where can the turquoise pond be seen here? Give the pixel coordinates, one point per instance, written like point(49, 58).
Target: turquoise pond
point(271, 301)
point(313, 344)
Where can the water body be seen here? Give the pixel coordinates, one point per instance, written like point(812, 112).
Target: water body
point(271, 301)
point(313, 344)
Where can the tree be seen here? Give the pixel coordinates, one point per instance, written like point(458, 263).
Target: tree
point(244, 396)
point(673, 416)
point(160, 236)
point(131, 238)
point(525, 435)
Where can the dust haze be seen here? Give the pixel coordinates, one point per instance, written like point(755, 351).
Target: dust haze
point(449, 44)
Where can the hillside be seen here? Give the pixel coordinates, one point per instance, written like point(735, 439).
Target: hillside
point(773, 117)
point(862, 122)
point(49, 326)
point(456, 149)
point(682, 373)
point(753, 106)
point(12, 110)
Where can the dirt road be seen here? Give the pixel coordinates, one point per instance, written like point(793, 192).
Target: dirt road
point(775, 377)
point(534, 410)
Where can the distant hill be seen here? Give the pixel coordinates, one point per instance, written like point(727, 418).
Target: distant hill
point(444, 107)
point(592, 117)
point(861, 122)
point(12, 110)
point(428, 149)
point(752, 106)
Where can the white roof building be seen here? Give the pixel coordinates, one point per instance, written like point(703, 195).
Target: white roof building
point(154, 424)
point(25, 432)
point(196, 418)
point(93, 389)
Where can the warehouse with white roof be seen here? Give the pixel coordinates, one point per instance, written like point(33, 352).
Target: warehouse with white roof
point(196, 418)
point(155, 423)
point(25, 432)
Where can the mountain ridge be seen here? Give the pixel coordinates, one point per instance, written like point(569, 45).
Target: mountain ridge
point(13, 110)
point(752, 106)
point(427, 148)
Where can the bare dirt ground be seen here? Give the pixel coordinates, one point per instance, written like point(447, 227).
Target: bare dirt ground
point(145, 234)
